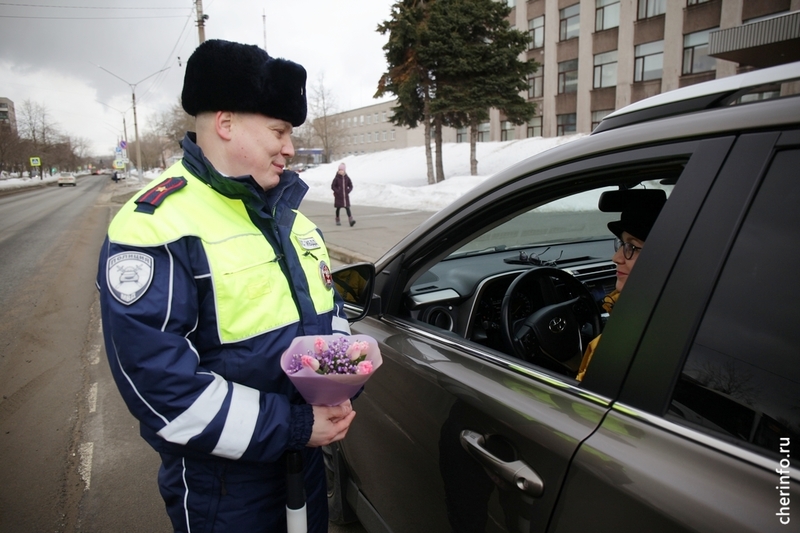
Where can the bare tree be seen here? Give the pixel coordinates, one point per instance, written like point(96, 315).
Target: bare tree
point(322, 105)
point(33, 124)
point(172, 125)
point(10, 154)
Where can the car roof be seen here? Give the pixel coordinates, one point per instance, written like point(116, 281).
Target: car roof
point(702, 96)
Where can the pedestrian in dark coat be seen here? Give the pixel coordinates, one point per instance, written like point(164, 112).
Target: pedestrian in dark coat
point(341, 187)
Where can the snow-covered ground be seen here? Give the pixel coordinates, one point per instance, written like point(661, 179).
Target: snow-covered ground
point(394, 178)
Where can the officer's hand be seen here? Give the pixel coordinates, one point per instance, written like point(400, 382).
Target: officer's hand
point(330, 423)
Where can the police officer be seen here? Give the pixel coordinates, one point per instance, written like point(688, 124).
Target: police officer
point(205, 278)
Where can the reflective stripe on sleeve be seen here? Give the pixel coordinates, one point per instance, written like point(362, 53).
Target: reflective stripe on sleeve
point(196, 418)
point(340, 325)
point(240, 423)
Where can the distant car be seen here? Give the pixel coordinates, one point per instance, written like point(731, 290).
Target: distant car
point(67, 178)
point(96, 172)
point(687, 419)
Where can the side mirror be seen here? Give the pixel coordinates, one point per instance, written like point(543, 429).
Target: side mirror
point(355, 283)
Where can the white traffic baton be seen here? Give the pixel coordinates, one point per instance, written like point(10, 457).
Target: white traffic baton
point(296, 518)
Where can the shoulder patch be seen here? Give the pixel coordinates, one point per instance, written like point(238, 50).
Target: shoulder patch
point(128, 275)
point(151, 199)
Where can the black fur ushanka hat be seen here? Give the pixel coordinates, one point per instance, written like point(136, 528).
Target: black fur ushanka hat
point(227, 76)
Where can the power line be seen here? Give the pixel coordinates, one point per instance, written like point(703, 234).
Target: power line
point(91, 18)
point(86, 7)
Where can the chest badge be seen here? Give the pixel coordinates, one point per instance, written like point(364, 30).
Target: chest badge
point(325, 274)
point(308, 243)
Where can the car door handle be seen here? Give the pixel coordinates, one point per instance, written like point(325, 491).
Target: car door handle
point(515, 472)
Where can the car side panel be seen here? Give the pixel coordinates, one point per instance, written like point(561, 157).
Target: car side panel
point(407, 434)
point(637, 476)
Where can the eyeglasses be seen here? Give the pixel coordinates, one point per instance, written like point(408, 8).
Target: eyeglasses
point(628, 249)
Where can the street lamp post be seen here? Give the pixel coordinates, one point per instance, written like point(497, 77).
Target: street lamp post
point(135, 122)
point(124, 131)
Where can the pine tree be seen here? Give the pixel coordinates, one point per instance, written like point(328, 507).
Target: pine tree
point(406, 77)
point(474, 55)
point(449, 62)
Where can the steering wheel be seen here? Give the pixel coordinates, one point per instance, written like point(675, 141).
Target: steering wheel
point(554, 330)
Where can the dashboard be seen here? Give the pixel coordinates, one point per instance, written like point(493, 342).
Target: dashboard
point(464, 294)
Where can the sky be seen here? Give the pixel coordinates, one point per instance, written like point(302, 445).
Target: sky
point(398, 178)
point(84, 59)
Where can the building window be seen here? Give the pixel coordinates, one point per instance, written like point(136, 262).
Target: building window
point(483, 132)
point(651, 8)
point(536, 84)
point(605, 69)
point(566, 124)
point(511, 3)
point(568, 76)
point(649, 61)
point(695, 2)
point(606, 15)
point(535, 127)
point(383, 135)
point(598, 116)
point(536, 32)
point(361, 139)
point(392, 135)
point(569, 22)
point(462, 135)
point(507, 131)
point(695, 53)
point(361, 120)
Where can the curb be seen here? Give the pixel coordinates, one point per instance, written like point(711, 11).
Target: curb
point(343, 255)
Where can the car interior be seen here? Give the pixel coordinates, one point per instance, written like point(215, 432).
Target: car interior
point(502, 286)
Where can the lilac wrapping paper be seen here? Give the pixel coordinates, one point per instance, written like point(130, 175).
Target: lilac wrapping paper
point(328, 389)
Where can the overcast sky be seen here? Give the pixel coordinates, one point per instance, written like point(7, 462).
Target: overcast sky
point(54, 52)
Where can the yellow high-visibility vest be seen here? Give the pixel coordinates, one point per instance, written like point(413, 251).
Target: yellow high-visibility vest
point(252, 295)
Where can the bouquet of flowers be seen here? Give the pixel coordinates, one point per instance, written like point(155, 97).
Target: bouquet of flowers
point(330, 369)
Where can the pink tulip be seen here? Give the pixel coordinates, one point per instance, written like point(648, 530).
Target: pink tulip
point(310, 362)
point(357, 349)
point(364, 367)
point(320, 345)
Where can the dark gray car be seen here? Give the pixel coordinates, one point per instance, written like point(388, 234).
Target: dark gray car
point(689, 412)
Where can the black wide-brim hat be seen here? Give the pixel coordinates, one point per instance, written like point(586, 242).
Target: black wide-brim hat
point(227, 76)
point(639, 209)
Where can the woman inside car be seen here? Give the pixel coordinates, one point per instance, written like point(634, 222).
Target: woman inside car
point(639, 210)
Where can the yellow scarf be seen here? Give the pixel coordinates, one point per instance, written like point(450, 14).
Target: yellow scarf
point(607, 305)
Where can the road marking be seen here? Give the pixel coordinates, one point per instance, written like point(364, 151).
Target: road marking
point(94, 354)
point(93, 397)
point(86, 451)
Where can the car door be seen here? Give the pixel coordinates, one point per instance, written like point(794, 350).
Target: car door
point(702, 434)
point(450, 435)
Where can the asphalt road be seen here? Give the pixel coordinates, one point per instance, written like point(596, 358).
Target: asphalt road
point(72, 457)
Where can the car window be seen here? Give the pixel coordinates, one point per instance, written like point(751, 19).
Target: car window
point(570, 219)
point(472, 293)
point(741, 379)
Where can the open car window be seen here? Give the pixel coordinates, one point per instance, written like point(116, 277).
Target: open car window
point(463, 292)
